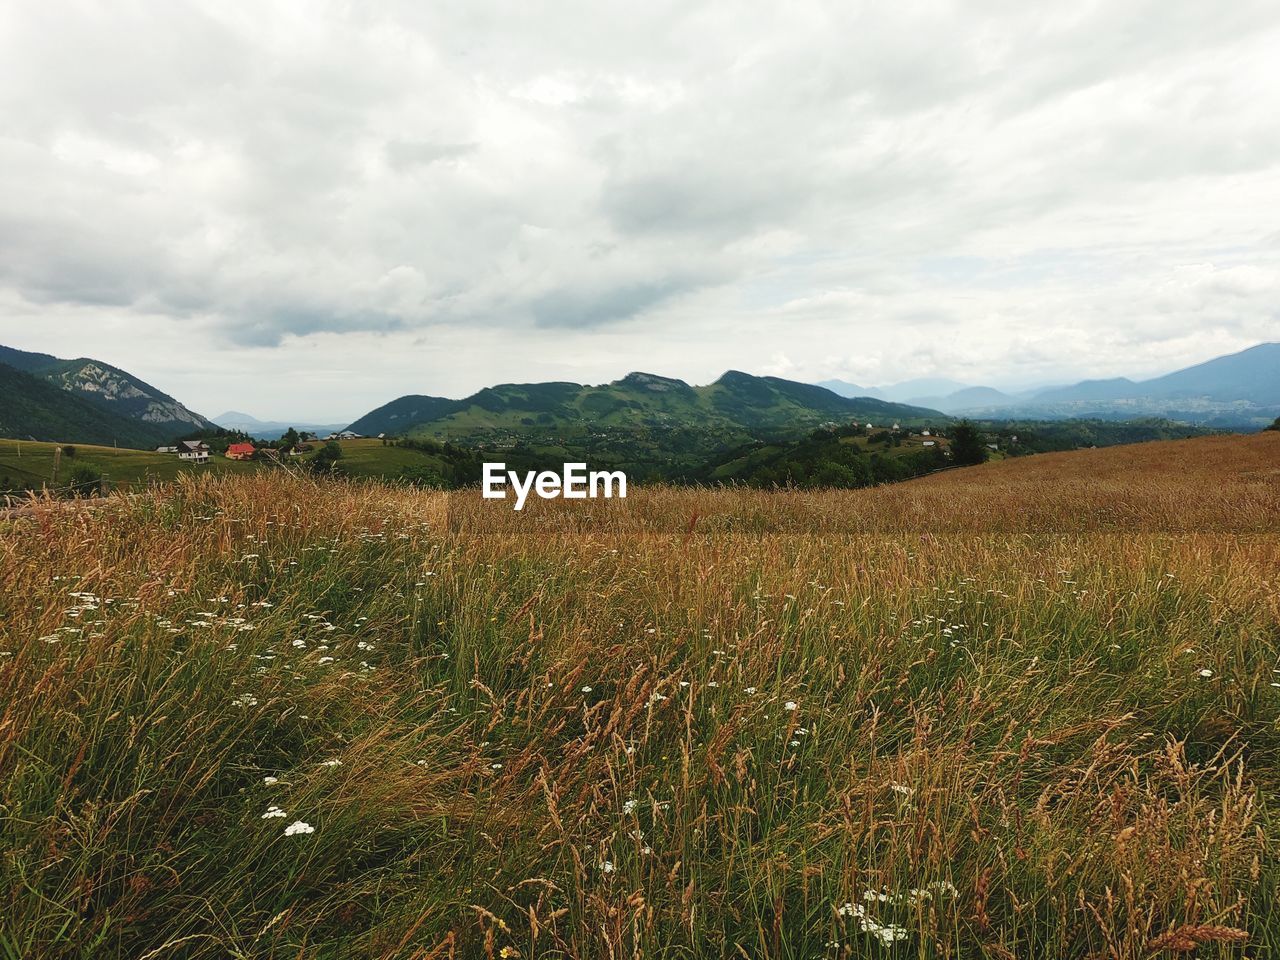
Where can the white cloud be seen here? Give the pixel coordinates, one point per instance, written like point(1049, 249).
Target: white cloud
point(331, 204)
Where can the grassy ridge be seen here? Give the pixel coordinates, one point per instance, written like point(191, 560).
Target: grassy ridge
point(692, 742)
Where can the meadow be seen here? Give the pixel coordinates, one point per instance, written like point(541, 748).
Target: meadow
point(1029, 709)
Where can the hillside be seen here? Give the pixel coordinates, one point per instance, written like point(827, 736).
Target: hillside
point(112, 390)
point(400, 416)
point(33, 407)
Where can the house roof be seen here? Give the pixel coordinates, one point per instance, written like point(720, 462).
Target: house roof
point(193, 444)
point(241, 448)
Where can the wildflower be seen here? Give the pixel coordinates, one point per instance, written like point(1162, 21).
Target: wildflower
point(298, 827)
point(245, 700)
point(750, 691)
point(270, 781)
point(790, 706)
point(629, 806)
point(272, 813)
point(331, 763)
point(607, 866)
point(326, 660)
point(586, 689)
point(495, 766)
point(1206, 673)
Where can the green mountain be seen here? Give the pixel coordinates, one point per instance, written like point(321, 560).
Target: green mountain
point(735, 402)
point(32, 407)
point(112, 390)
point(650, 425)
point(401, 415)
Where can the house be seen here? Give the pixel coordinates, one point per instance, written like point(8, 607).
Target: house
point(166, 449)
point(197, 451)
point(928, 443)
point(240, 451)
point(924, 433)
point(348, 435)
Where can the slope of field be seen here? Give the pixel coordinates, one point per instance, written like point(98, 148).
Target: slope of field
point(28, 463)
point(263, 715)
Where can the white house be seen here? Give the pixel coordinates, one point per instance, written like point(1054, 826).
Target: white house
point(928, 443)
point(197, 451)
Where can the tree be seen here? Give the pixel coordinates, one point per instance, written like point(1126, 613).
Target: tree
point(1276, 425)
point(86, 481)
point(967, 447)
point(289, 440)
point(326, 461)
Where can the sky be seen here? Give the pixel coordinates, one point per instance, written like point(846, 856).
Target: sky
point(304, 210)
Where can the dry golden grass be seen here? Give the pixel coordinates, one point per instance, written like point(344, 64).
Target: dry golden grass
point(976, 715)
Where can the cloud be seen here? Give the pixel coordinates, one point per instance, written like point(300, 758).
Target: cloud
point(870, 192)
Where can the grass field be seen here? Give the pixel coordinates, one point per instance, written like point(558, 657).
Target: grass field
point(31, 462)
point(1030, 709)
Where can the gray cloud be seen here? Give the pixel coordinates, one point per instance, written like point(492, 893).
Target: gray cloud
point(818, 186)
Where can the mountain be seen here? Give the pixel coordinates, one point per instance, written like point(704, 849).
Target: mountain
point(1118, 388)
point(271, 429)
point(32, 407)
point(639, 400)
point(1234, 391)
point(1251, 375)
point(651, 426)
point(399, 416)
point(907, 390)
point(111, 389)
point(846, 389)
point(966, 399)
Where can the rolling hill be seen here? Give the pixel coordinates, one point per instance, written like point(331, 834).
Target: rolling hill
point(115, 392)
point(737, 402)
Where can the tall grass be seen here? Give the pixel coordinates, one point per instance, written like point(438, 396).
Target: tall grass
point(729, 737)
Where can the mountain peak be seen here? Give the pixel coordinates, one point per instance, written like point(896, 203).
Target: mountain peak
point(651, 381)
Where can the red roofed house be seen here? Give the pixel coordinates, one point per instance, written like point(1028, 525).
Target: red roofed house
point(240, 451)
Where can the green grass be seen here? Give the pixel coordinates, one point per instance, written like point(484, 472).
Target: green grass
point(29, 462)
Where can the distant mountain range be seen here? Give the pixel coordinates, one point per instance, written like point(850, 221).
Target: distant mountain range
point(1238, 390)
point(86, 401)
point(270, 429)
point(737, 402)
point(640, 417)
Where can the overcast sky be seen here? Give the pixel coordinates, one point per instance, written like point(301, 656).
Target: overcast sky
point(303, 210)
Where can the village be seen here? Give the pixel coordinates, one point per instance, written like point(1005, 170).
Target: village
point(200, 451)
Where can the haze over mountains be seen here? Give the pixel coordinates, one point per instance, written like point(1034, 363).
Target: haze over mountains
point(1237, 390)
point(243, 422)
point(86, 400)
